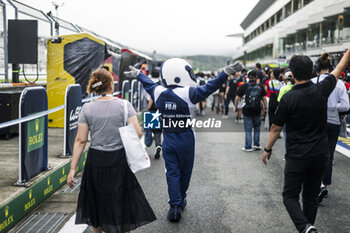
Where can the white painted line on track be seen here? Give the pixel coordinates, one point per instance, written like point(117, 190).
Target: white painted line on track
point(71, 227)
point(343, 151)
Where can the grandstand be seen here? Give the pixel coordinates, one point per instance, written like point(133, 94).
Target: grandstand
point(280, 29)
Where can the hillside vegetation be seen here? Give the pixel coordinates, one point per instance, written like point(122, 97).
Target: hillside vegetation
point(207, 62)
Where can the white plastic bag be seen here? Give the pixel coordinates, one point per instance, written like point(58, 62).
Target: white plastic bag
point(136, 154)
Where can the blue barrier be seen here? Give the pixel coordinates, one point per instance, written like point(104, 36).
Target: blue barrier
point(33, 153)
point(73, 103)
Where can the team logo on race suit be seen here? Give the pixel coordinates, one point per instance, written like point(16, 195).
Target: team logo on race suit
point(170, 106)
point(152, 120)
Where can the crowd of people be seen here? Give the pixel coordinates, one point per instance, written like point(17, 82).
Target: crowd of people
point(308, 111)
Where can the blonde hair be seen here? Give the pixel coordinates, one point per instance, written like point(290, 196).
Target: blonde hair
point(100, 81)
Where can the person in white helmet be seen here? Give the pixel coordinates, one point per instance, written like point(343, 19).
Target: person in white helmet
point(176, 100)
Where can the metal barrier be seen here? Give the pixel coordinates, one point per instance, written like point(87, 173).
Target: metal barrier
point(31, 117)
point(43, 113)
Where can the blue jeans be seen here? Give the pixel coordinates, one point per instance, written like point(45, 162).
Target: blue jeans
point(249, 124)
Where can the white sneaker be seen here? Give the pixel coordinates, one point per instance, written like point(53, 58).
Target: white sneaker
point(310, 229)
point(236, 120)
point(247, 150)
point(225, 117)
point(240, 121)
point(257, 147)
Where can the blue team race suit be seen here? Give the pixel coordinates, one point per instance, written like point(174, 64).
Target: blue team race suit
point(177, 104)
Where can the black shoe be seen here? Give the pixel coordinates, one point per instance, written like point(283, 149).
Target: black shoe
point(323, 194)
point(157, 154)
point(174, 214)
point(310, 229)
point(184, 204)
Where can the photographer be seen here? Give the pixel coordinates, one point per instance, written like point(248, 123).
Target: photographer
point(304, 111)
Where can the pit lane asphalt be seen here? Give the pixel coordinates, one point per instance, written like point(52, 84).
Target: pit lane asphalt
point(233, 191)
point(230, 190)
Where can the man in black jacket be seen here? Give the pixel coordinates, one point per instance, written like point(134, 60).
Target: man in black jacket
point(304, 111)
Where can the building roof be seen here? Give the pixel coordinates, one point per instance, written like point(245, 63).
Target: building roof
point(259, 8)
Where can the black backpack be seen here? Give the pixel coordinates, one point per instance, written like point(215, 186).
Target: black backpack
point(253, 98)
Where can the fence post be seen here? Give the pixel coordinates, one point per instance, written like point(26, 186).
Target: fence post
point(134, 94)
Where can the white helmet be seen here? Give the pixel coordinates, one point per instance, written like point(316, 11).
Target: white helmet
point(177, 72)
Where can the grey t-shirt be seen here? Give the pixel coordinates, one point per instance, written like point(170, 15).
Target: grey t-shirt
point(104, 118)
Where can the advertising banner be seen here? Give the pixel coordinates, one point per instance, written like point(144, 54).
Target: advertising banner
point(72, 109)
point(70, 60)
point(134, 94)
point(32, 134)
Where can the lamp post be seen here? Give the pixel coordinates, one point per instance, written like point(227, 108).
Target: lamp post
point(57, 25)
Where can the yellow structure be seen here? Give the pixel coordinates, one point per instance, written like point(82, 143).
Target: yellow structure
point(86, 54)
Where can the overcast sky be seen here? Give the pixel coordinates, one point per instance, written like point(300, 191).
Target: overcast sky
point(177, 27)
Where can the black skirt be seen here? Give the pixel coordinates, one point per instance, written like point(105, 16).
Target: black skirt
point(110, 196)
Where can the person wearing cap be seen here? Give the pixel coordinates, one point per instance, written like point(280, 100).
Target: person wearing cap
point(289, 85)
point(253, 94)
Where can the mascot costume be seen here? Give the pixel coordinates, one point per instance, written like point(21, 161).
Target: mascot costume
point(176, 100)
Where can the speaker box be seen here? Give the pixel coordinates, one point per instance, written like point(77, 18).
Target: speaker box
point(23, 41)
point(9, 101)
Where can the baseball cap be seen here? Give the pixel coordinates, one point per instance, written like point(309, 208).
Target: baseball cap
point(288, 75)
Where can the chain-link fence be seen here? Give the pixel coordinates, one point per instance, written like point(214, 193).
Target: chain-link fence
point(46, 29)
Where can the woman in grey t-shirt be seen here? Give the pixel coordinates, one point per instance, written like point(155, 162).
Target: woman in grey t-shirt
point(110, 197)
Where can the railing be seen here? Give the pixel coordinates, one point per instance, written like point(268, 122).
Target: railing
point(43, 113)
